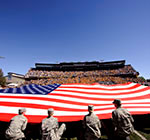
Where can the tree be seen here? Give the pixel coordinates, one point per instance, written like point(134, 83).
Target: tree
point(141, 78)
point(2, 78)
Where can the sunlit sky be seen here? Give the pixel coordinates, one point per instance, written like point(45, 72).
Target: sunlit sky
point(54, 31)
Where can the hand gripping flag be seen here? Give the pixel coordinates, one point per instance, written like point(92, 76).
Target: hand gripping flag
point(70, 101)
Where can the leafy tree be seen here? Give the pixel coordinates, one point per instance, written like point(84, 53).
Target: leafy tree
point(141, 78)
point(2, 78)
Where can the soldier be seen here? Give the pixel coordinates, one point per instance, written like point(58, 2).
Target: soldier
point(91, 125)
point(50, 127)
point(17, 125)
point(122, 121)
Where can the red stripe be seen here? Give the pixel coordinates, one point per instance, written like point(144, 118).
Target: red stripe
point(99, 88)
point(100, 99)
point(10, 104)
point(100, 93)
point(128, 83)
point(75, 96)
point(36, 106)
point(38, 119)
point(73, 102)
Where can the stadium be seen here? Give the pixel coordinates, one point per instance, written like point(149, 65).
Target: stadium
point(112, 72)
point(46, 78)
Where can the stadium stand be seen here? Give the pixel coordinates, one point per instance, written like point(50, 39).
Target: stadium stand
point(113, 72)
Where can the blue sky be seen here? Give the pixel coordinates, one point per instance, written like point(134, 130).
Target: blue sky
point(53, 31)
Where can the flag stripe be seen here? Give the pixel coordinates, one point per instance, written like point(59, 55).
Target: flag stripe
point(132, 86)
point(69, 100)
point(43, 112)
point(119, 86)
point(96, 91)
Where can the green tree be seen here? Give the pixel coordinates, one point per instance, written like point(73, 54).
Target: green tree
point(2, 78)
point(141, 78)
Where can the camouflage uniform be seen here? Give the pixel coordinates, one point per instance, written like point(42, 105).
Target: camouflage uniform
point(92, 125)
point(122, 121)
point(17, 125)
point(51, 130)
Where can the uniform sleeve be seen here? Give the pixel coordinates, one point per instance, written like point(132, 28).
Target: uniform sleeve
point(84, 122)
point(24, 124)
point(114, 119)
point(130, 117)
point(99, 123)
point(43, 125)
point(57, 125)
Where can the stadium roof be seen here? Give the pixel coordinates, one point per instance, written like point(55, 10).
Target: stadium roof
point(93, 65)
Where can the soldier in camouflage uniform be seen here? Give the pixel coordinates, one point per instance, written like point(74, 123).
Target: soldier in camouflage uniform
point(17, 125)
point(91, 125)
point(50, 127)
point(122, 121)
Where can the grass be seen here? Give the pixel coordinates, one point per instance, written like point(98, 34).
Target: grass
point(104, 137)
point(135, 137)
point(132, 137)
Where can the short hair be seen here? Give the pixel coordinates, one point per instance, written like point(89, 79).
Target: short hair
point(50, 110)
point(90, 107)
point(21, 110)
point(117, 101)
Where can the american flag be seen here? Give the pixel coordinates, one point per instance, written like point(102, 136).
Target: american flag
point(70, 101)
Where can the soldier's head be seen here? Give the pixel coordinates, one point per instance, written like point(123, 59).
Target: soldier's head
point(90, 108)
point(22, 111)
point(50, 112)
point(117, 103)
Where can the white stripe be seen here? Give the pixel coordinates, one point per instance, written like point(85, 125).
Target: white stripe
point(52, 95)
point(43, 112)
point(65, 105)
point(97, 90)
point(14, 90)
point(101, 86)
point(137, 101)
point(81, 95)
point(124, 105)
point(38, 102)
point(33, 86)
point(27, 86)
point(121, 96)
point(43, 88)
point(135, 105)
point(138, 109)
point(5, 90)
point(22, 90)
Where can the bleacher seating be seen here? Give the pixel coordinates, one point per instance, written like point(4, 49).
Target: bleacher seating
point(115, 72)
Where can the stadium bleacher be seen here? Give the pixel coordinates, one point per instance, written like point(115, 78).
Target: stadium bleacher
point(113, 72)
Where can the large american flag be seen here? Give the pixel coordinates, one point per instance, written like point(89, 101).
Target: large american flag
point(70, 101)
